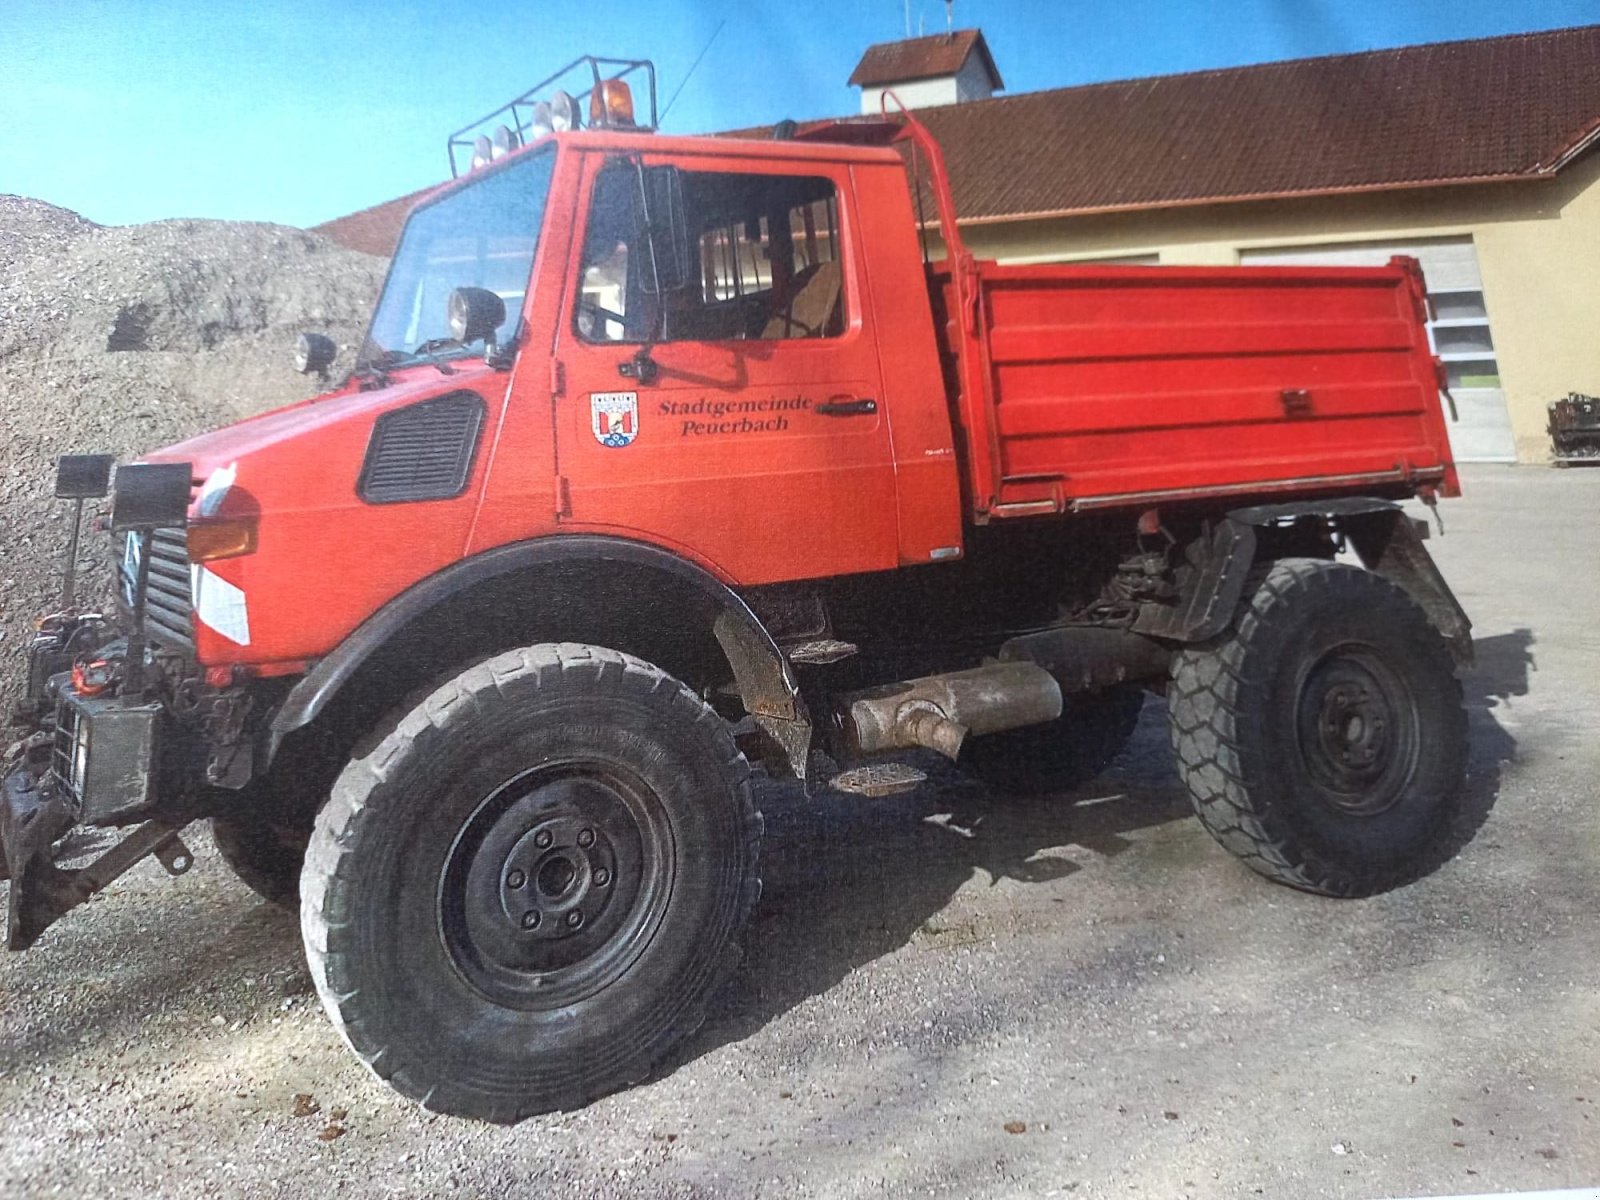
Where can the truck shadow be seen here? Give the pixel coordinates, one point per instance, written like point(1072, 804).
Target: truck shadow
point(848, 880)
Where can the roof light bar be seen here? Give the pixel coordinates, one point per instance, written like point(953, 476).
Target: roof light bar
point(538, 111)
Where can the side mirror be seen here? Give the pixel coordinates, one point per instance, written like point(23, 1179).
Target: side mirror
point(662, 217)
point(474, 313)
point(314, 353)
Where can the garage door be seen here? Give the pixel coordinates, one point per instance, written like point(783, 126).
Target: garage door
point(1459, 330)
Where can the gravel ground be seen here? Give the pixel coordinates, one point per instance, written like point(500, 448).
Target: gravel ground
point(946, 995)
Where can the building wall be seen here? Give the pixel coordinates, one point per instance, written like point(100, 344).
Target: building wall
point(1538, 246)
point(972, 82)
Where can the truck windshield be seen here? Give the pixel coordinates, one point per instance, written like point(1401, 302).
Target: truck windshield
point(482, 235)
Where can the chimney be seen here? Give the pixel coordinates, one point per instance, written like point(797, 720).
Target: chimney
point(947, 68)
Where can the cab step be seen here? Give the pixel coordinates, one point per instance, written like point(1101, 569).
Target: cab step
point(877, 780)
point(820, 652)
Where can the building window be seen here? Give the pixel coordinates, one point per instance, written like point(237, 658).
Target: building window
point(1459, 328)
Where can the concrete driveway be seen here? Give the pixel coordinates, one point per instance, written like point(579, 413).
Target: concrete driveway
point(946, 995)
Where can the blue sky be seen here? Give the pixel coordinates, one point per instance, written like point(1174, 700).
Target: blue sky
point(297, 111)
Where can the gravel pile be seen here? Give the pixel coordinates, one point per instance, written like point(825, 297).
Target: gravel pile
point(121, 340)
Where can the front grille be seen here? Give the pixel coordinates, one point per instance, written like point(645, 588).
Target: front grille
point(168, 605)
point(70, 755)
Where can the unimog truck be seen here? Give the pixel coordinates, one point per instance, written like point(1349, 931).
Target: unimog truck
point(667, 459)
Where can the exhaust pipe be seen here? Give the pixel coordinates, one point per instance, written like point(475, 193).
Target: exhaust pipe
point(938, 712)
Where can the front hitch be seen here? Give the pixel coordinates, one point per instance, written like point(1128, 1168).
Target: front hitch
point(33, 817)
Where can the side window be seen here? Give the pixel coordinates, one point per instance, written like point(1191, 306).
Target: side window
point(611, 304)
point(767, 250)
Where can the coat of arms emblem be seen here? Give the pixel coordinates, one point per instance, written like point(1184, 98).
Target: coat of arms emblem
point(614, 417)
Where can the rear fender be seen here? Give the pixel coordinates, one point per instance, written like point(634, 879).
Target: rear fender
point(1389, 543)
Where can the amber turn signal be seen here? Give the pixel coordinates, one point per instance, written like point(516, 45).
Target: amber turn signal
point(227, 538)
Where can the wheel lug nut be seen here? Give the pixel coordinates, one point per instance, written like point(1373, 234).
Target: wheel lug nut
point(575, 918)
point(516, 879)
point(602, 877)
point(542, 839)
point(530, 919)
point(586, 838)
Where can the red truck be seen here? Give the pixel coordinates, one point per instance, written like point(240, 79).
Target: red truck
point(667, 455)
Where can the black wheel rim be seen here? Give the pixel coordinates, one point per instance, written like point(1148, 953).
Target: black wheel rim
point(556, 884)
point(1357, 725)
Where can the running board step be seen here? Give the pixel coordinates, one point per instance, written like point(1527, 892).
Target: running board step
point(877, 780)
point(820, 652)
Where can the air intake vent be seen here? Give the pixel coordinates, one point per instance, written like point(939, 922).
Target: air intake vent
point(423, 452)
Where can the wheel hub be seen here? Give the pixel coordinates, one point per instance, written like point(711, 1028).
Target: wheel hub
point(557, 877)
point(1357, 724)
point(553, 884)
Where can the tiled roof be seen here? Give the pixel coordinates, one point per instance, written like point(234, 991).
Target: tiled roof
point(922, 58)
point(1517, 107)
point(373, 230)
point(1452, 112)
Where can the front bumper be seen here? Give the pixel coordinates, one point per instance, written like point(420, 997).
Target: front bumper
point(33, 818)
point(96, 766)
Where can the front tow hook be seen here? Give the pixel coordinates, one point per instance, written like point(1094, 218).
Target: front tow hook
point(33, 817)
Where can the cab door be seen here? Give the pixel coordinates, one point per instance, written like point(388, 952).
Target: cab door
point(737, 419)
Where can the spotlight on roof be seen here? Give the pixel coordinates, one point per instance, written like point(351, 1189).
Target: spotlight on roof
point(564, 112)
point(504, 142)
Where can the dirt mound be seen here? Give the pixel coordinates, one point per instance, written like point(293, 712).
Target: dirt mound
point(29, 227)
point(120, 340)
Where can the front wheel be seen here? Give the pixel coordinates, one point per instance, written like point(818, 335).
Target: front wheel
point(266, 855)
point(526, 894)
point(1323, 739)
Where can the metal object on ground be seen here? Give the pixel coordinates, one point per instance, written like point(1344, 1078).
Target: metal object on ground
point(1575, 429)
point(877, 780)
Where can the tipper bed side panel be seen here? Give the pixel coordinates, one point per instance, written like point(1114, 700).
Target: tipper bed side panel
point(1114, 383)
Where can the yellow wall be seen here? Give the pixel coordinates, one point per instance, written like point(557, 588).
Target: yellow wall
point(1538, 249)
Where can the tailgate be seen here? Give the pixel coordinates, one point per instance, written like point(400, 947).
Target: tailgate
point(1121, 385)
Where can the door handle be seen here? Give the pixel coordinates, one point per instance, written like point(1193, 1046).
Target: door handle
point(841, 406)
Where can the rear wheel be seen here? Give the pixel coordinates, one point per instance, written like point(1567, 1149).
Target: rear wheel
point(525, 895)
point(1323, 739)
point(1071, 750)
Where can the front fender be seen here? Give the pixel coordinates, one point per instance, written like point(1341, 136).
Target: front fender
point(765, 681)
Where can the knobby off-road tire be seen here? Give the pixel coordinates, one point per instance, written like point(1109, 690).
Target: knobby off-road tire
point(1071, 750)
point(1323, 739)
point(267, 857)
point(525, 895)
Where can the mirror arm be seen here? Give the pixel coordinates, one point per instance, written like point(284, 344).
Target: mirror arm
point(650, 244)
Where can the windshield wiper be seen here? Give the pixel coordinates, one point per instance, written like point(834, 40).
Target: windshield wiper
point(372, 369)
point(429, 352)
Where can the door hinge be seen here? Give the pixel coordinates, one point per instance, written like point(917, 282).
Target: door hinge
point(558, 378)
point(563, 497)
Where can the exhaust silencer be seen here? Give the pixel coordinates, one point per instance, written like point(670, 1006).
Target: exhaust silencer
point(938, 712)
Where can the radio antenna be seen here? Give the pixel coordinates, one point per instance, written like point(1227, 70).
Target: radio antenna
point(692, 67)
